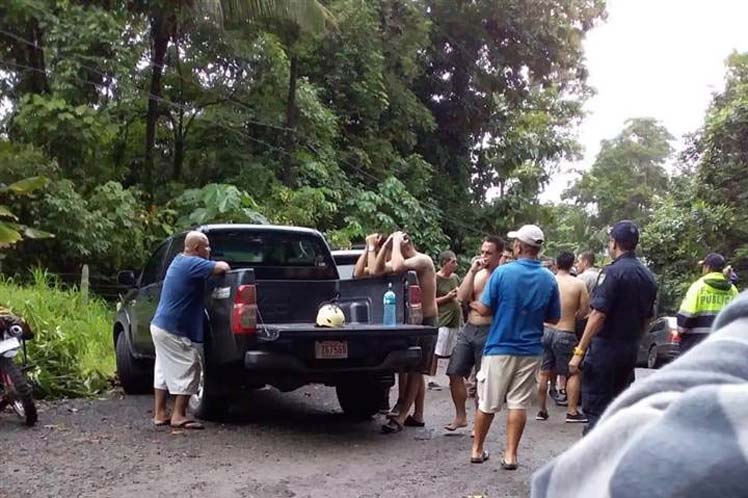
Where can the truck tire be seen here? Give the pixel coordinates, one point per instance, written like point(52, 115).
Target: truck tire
point(206, 404)
point(360, 399)
point(135, 376)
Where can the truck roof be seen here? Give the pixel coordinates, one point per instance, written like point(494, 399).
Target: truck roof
point(264, 228)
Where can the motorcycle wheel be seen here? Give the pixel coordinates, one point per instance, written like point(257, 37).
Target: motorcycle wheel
point(17, 391)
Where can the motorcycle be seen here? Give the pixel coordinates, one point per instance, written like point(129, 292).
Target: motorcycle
point(15, 390)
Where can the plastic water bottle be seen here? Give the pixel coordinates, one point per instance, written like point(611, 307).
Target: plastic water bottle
point(390, 312)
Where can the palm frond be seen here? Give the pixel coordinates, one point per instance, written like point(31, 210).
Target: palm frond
point(309, 15)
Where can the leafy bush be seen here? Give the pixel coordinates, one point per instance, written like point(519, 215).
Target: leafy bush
point(215, 203)
point(71, 353)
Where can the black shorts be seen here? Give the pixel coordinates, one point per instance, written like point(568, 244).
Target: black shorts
point(558, 350)
point(468, 351)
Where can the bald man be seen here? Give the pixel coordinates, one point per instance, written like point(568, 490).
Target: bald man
point(177, 330)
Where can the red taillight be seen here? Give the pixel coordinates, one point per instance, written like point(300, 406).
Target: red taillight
point(244, 312)
point(674, 336)
point(415, 315)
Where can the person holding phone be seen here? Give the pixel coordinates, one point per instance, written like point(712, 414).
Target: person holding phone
point(471, 339)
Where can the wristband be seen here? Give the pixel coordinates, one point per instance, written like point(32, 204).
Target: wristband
point(578, 351)
point(372, 248)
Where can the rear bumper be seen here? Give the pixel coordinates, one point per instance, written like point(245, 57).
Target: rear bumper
point(669, 351)
point(266, 361)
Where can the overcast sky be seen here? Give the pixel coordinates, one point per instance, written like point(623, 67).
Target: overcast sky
point(655, 58)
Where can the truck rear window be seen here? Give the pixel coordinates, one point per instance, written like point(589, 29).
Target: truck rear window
point(276, 255)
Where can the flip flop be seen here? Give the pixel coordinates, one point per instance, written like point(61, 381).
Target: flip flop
point(508, 466)
point(392, 427)
point(161, 423)
point(188, 424)
point(452, 428)
point(411, 422)
point(480, 459)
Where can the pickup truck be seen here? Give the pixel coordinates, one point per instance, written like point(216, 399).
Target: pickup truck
point(260, 321)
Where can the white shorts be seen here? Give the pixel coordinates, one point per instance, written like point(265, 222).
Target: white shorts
point(445, 342)
point(510, 378)
point(178, 363)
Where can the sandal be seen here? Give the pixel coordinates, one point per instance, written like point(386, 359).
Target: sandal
point(161, 423)
point(480, 459)
point(392, 426)
point(188, 424)
point(508, 466)
point(412, 422)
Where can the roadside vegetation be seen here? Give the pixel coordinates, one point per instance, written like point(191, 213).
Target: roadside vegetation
point(71, 353)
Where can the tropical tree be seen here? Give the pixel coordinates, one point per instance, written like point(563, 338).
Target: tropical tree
point(628, 174)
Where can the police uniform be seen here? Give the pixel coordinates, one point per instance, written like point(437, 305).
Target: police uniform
point(625, 292)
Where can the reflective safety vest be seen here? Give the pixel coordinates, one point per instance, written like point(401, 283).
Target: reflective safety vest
point(704, 300)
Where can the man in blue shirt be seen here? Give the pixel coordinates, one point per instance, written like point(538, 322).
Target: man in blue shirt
point(520, 296)
point(177, 330)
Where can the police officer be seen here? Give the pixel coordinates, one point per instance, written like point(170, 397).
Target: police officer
point(622, 304)
point(705, 299)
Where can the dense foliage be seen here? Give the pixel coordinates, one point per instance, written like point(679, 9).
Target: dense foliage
point(441, 117)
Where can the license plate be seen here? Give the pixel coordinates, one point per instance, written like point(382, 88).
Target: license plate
point(9, 344)
point(330, 350)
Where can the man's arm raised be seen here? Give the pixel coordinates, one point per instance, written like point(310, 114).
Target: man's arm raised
point(381, 266)
point(465, 292)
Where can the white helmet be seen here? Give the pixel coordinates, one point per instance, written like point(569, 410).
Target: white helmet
point(330, 315)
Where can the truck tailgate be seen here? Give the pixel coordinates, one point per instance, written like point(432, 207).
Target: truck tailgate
point(304, 347)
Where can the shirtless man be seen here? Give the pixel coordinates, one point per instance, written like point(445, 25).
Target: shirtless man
point(406, 258)
point(575, 304)
point(472, 337)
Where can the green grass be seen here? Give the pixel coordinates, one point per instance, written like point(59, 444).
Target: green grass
point(71, 353)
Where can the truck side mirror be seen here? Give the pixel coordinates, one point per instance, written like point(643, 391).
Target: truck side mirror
point(127, 278)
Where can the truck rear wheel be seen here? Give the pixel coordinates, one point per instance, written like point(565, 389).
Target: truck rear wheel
point(206, 404)
point(360, 399)
point(136, 377)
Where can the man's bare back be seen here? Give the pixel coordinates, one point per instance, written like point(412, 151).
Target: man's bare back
point(427, 280)
point(574, 301)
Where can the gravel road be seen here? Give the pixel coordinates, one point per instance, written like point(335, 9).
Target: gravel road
point(277, 445)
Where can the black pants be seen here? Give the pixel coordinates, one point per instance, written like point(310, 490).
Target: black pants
point(688, 341)
point(608, 370)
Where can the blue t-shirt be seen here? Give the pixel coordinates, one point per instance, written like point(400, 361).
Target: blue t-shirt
point(181, 308)
point(522, 295)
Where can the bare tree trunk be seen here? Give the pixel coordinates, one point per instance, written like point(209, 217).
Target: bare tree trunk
point(288, 172)
point(34, 82)
point(160, 42)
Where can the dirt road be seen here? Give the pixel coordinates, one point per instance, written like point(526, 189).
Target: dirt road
point(279, 445)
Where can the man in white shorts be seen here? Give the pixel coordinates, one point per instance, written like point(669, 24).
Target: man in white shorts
point(520, 296)
point(450, 313)
point(177, 330)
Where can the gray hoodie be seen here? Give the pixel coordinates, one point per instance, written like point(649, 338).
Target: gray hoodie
point(682, 432)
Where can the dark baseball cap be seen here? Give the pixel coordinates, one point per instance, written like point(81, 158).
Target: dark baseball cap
point(714, 261)
point(625, 231)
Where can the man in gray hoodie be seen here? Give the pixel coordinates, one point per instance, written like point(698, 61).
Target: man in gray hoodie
point(682, 432)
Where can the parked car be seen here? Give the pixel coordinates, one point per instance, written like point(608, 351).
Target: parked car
point(345, 260)
point(660, 344)
point(260, 321)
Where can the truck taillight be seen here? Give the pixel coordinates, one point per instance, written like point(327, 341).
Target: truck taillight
point(415, 308)
point(244, 311)
point(674, 336)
